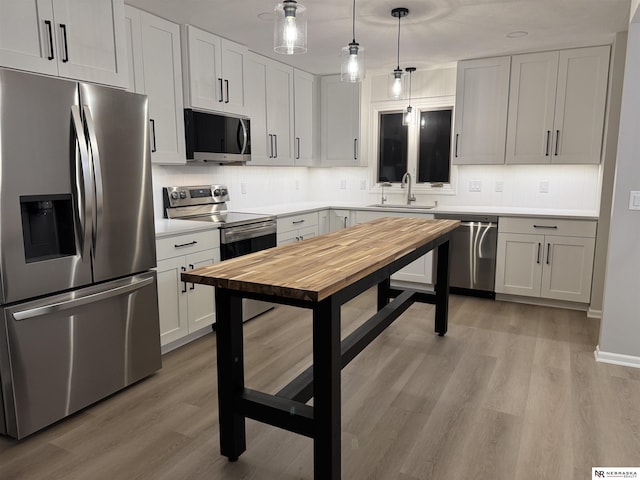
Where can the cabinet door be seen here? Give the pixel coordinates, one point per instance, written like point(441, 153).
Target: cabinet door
point(288, 237)
point(161, 67)
point(91, 40)
point(419, 271)
point(340, 219)
point(482, 94)
point(204, 69)
point(280, 112)
point(519, 264)
point(233, 56)
point(568, 266)
point(255, 86)
point(201, 298)
point(580, 105)
point(26, 41)
point(532, 100)
point(303, 118)
point(340, 114)
point(172, 300)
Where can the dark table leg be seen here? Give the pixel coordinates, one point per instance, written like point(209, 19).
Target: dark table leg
point(442, 289)
point(383, 293)
point(230, 373)
point(326, 390)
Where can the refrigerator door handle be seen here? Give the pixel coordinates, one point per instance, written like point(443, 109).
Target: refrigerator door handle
point(97, 174)
point(85, 199)
point(128, 286)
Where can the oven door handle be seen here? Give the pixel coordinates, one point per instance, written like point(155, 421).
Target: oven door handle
point(237, 234)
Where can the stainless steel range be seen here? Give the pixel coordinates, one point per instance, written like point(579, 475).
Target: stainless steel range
point(240, 233)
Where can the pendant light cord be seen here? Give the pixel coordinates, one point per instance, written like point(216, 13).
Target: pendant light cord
point(354, 21)
point(398, 67)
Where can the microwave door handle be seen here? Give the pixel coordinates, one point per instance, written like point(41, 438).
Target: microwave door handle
point(242, 141)
point(83, 187)
point(97, 174)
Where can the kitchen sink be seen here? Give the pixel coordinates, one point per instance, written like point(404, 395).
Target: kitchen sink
point(402, 206)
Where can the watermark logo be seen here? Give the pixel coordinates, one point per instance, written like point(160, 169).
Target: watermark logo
point(615, 472)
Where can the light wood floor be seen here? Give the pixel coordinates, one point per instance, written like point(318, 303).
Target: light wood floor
point(512, 392)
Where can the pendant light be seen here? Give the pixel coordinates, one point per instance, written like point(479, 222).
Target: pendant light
point(396, 76)
point(290, 28)
point(352, 65)
point(408, 118)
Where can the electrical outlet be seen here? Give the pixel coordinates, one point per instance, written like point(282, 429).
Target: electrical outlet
point(363, 184)
point(634, 200)
point(475, 186)
point(544, 186)
point(243, 188)
point(297, 184)
point(343, 184)
point(499, 186)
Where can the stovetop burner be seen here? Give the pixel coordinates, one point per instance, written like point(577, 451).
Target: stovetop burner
point(206, 203)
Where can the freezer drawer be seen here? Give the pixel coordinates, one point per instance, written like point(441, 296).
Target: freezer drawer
point(62, 353)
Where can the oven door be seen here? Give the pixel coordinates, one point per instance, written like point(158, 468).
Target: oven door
point(244, 239)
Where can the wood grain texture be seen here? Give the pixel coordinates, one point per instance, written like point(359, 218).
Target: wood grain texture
point(320, 266)
point(511, 392)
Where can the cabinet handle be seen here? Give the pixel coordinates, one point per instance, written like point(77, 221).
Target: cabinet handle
point(546, 154)
point(193, 285)
point(297, 239)
point(538, 256)
point(50, 31)
point(185, 244)
point(184, 284)
point(555, 227)
point(455, 149)
point(301, 237)
point(557, 141)
point(355, 148)
point(63, 27)
point(275, 141)
point(345, 222)
point(226, 84)
point(221, 99)
point(270, 146)
point(298, 147)
point(548, 252)
point(153, 134)
point(295, 222)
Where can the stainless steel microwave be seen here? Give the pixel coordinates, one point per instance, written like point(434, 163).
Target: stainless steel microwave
point(216, 138)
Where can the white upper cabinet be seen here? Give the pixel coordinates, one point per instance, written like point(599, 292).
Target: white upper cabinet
point(482, 96)
point(155, 70)
point(213, 72)
point(269, 93)
point(70, 38)
point(557, 106)
point(340, 113)
point(303, 118)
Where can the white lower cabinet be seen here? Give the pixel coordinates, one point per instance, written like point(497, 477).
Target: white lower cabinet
point(545, 258)
point(421, 270)
point(339, 219)
point(185, 307)
point(298, 227)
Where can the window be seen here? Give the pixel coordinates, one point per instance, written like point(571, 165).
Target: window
point(423, 149)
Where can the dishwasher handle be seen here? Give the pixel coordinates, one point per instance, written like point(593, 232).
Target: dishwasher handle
point(483, 224)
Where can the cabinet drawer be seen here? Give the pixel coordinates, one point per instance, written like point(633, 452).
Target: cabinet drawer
point(548, 226)
point(168, 247)
point(295, 222)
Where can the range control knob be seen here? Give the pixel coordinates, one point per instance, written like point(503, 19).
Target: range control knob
point(216, 192)
point(174, 195)
point(223, 191)
point(183, 194)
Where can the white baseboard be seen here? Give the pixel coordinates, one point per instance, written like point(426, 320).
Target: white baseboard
point(616, 358)
point(593, 313)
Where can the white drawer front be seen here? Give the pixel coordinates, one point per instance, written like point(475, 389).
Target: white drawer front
point(168, 247)
point(295, 222)
point(548, 226)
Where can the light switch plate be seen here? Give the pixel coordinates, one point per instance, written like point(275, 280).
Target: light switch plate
point(243, 188)
point(634, 200)
point(475, 186)
point(499, 186)
point(544, 186)
point(343, 184)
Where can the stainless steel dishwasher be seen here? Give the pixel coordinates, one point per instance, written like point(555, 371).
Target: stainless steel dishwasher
point(472, 254)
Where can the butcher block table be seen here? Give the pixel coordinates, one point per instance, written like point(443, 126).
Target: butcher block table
point(321, 274)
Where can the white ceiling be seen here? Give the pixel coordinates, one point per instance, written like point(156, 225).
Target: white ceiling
point(435, 33)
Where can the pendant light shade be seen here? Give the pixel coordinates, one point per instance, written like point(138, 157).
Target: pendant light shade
point(396, 86)
point(290, 28)
point(352, 65)
point(409, 115)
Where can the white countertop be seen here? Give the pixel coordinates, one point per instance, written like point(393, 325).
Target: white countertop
point(167, 227)
point(303, 207)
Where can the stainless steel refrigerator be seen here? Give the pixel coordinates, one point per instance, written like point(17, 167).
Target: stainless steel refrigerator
point(78, 296)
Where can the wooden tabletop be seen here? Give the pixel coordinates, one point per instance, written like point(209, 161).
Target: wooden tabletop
point(321, 266)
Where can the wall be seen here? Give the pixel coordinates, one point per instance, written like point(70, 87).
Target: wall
point(620, 325)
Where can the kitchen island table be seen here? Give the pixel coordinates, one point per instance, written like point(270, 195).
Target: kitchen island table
point(320, 274)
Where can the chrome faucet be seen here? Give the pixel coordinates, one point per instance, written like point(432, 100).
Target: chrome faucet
point(406, 181)
point(382, 185)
